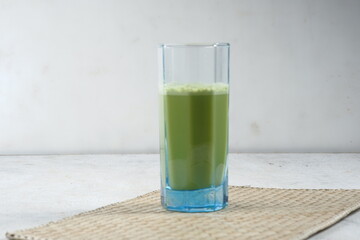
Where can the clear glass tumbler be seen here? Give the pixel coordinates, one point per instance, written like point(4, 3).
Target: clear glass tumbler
point(194, 100)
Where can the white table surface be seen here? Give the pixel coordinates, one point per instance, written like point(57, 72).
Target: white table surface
point(37, 189)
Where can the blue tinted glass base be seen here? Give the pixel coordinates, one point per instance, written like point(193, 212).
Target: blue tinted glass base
point(200, 200)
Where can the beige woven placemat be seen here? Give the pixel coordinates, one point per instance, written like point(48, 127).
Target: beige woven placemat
point(253, 213)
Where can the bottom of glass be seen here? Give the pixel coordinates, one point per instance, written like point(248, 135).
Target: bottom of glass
point(200, 200)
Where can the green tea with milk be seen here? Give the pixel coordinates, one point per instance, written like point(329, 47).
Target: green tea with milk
point(195, 118)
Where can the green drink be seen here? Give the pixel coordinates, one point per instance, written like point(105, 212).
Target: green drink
point(196, 128)
point(194, 101)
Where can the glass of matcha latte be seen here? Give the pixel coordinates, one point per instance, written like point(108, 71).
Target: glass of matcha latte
point(194, 103)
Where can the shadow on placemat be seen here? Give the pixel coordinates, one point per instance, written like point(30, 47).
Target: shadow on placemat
point(253, 213)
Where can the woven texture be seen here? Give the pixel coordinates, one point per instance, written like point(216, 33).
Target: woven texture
point(253, 213)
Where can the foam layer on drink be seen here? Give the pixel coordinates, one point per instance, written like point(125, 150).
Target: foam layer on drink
point(194, 88)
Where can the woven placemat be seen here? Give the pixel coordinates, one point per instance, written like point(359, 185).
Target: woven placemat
point(253, 213)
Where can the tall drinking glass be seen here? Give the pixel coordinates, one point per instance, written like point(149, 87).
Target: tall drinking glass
point(194, 100)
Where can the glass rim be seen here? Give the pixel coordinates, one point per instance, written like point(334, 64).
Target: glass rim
point(194, 45)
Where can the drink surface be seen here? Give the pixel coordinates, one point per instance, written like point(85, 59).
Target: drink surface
point(195, 134)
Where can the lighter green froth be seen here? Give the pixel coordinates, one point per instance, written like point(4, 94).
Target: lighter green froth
point(195, 88)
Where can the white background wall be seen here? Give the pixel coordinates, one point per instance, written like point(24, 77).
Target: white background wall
point(81, 76)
